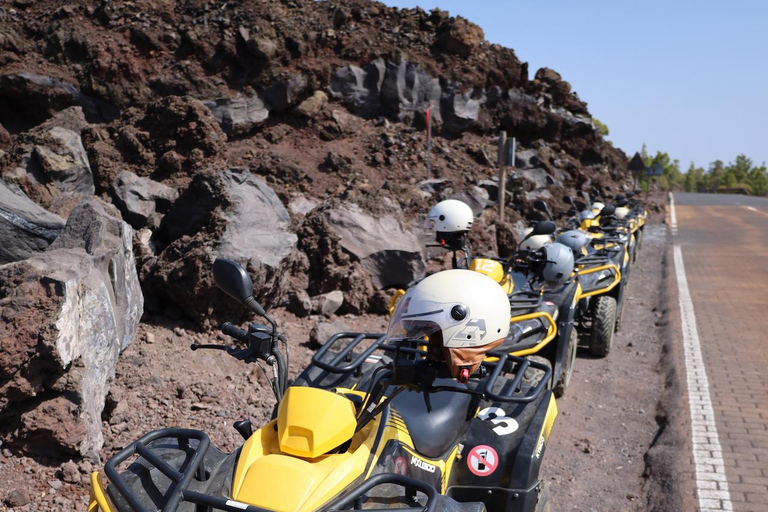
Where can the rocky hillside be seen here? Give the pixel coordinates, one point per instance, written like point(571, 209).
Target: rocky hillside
point(144, 139)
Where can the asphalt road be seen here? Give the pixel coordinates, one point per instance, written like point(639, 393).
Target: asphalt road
point(723, 242)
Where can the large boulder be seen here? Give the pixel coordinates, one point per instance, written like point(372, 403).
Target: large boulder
point(25, 227)
point(458, 36)
point(67, 314)
point(142, 201)
point(51, 163)
point(226, 213)
point(390, 253)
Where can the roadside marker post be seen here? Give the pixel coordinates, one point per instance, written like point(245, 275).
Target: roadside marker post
point(501, 161)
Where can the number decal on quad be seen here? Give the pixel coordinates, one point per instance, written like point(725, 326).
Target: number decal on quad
point(496, 415)
point(487, 265)
point(483, 460)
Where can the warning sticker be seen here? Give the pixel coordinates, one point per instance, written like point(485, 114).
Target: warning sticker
point(401, 466)
point(483, 460)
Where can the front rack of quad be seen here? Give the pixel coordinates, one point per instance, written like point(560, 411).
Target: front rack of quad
point(497, 364)
point(196, 443)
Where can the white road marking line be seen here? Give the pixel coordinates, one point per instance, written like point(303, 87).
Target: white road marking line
point(711, 483)
point(672, 216)
point(750, 208)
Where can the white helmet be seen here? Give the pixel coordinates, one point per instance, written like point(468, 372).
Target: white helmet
point(535, 242)
point(451, 215)
point(558, 266)
point(464, 314)
point(597, 207)
point(586, 214)
point(621, 212)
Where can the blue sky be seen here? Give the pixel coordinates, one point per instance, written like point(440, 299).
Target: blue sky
point(686, 77)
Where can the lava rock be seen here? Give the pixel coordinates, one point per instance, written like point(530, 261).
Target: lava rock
point(312, 106)
point(142, 201)
point(69, 312)
point(239, 115)
point(322, 331)
point(17, 498)
point(328, 303)
point(25, 227)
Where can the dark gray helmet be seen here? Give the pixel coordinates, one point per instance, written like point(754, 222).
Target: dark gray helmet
point(574, 238)
point(559, 265)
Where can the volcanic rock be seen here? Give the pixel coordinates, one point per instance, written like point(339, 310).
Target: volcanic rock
point(68, 312)
point(25, 227)
point(239, 115)
point(142, 201)
point(226, 213)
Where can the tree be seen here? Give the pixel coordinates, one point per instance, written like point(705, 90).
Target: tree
point(603, 129)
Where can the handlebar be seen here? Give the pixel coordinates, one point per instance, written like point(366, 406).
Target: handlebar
point(234, 332)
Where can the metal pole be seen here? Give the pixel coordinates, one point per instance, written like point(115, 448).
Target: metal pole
point(501, 162)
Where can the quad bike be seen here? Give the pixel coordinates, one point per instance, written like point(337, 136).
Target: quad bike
point(372, 424)
point(542, 316)
point(601, 263)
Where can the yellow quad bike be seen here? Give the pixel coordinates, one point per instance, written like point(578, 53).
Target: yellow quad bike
point(369, 424)
point(542, 321)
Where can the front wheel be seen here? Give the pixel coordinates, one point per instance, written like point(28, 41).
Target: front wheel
point(603, 325)
point(570, 363)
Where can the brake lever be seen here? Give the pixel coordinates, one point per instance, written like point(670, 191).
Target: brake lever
point(245, 354)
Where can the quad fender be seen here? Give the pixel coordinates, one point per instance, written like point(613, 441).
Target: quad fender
point(514, 438)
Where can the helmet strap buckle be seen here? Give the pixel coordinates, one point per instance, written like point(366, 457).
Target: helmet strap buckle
point(463, 375)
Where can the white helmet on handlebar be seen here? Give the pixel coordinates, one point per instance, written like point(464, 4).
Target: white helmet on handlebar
point(463, 314)
point(621, 212)
point(451, 216)
point(597, 207)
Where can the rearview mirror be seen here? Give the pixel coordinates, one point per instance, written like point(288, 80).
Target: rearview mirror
point(542, 207)
point(233, 280)
point(544, 227)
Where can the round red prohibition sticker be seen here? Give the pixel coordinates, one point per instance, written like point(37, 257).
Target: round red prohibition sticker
point(483, 460)
point(401, 466)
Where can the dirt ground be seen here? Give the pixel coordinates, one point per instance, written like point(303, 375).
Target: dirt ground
point(595, 459)
point(594, 462)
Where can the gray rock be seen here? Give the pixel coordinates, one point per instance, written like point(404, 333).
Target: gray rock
point(433, 185)
point(63, 163)
point(18, 498)
point(390, 253)
point(460, 110)
point(322, 331)
point(239, 115)
point(299, 303)
point(328, 303)
point(492, 187)
point(45, 95)
point(300, 205)
point(477, 198)
point(83, 299)
point(537, 178)
point(257, 222)
point(285, 92)
point(527, 159)
point(25, 227)
point(142, 201)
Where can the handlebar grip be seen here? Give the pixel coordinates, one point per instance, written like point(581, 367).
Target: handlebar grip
point(234, 332)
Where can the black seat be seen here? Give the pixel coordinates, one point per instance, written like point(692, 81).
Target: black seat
point(435, 432)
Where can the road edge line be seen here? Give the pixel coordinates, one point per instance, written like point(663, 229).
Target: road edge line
point(707, 452)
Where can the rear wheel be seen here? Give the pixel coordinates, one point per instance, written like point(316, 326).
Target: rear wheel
point(603, 325)
point(533, 375)
point(544, 504)
point(570, 363)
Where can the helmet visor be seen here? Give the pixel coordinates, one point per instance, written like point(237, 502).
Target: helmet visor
point(417, 316)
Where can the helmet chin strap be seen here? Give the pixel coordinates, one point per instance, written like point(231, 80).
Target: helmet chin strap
point(463, 377)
